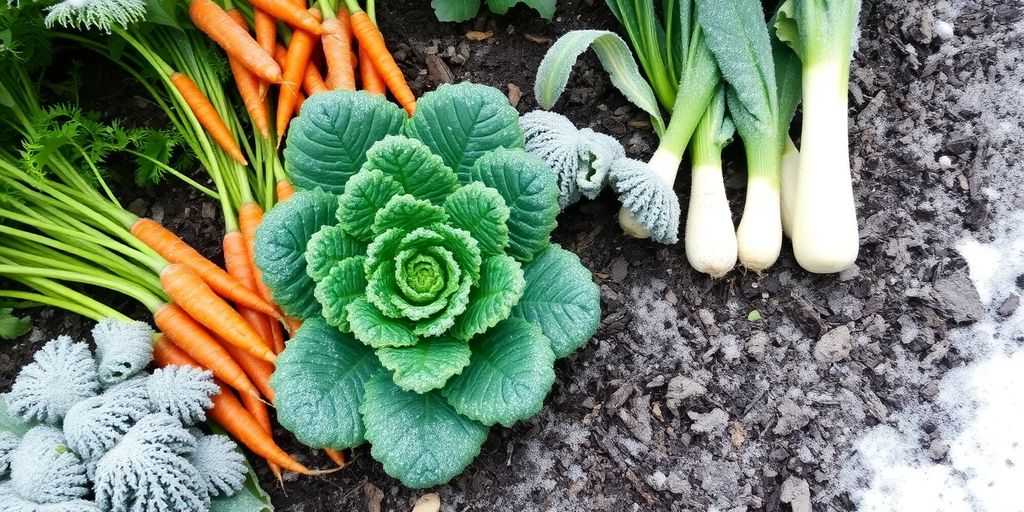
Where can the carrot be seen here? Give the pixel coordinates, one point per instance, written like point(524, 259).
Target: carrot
point(174, 250)
point(294, 324)
point(250, 216)
point(236, 41)
point(371, 81)
point(249, 86)
point(300, 49)
point(284, 190)
point(312, 81)
point(193, 295)
point(336, 456)
point(372, 42)
point(277, 337)
point(337, 44)
point(229, 413)
point(258, 409)
point(288, 12)
point(207, 115)
point(182, 330)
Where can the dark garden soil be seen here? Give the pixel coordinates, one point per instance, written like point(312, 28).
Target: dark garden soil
point(684, 401)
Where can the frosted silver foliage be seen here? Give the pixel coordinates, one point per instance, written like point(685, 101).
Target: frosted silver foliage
point(100, 14)
point(651, 201)
point(123, 349)
point(62, 373)
point(10, 501)
point(586, 161)
point(94, 425)
point(8, 442)
point(148, 470)
point(220, 465)
point(45, 470)
point(183, 392)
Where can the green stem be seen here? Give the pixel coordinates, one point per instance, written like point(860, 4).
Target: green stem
point(176, 173)
point(112, 283)
point(65, 304)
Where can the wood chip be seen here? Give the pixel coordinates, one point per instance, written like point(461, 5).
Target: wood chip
point(514, 95)
point(374, 497)
point(476, 35)
point(438, 71)
point(428, 503)
point(534, 38)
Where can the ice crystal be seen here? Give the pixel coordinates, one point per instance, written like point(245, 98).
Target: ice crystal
point(62, 374)
point(123, 349)
point(148, 470)
point(220, 464)
point(183, 392)
point(10, 501)
point(100, 14)
point(45, 470)
point(651, 201)
point(94, 425)
point(8, 442)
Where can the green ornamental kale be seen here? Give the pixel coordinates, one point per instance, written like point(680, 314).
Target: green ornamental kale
point(419, 257)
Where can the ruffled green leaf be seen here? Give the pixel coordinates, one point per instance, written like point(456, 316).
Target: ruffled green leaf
point(281, 242)
point(531, 193)
point(461, 244)
point(462, 122)
point(407, 213)
point(427, 365)
point(457, 303)
point(546, 8)
point(365, 195)
point(425, 278)
point(561, 298)
point(328, 141)
point(384, 247)
point(343, 285)
point(327, 247)
point(410, 162)
point(509, 374)
point(319, 383)
point(491, 300)
point(418, 438)
point(381, 288)
point(371, 327)
point(482, 212)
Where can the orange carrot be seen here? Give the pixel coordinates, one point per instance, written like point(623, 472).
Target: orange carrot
point(236, 41)
point(295, 63)
point(249, 86)
point(312, 82)
point(284, 190)
point(277, 336)
point(258, 409)
point(238, 261)
point(371, 40)
point(371, 81)
point(286, 11)
point(336, 456)
point(182, 330)
point(266, 30)
point(207, 115)
point(193, 295)
point(250, 216)
point(337, 44)
point(174, 250)
point(294, 324)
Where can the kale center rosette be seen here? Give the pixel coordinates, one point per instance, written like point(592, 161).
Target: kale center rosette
point(418, 255)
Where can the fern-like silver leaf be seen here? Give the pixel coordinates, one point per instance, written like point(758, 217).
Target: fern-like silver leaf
point(62, 374)
point(652, 202)
point(10, 501)
point(99, 14)
point(183, 392)
point(45, 470)
point(123, 349)
point(220, 463)
point(94, 425)
point(148, 470)
point(553, 138)
point(8, 442)
point(599, 152)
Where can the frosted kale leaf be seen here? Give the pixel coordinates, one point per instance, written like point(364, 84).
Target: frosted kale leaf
point(122, 349)
point(10, 501)
point(183, 392)
point(554, 139)
point(652, 202)
point(220, 465)
point(101, 14)
point(62, 373)
point(599, 152)
point(148, 470)
point(45, 470)
point(94, 425)
point(8, 442)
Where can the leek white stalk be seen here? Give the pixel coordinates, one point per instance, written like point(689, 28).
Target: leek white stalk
point(710, 236)
point(787, 185)
point(824, 230)
point(759, 237)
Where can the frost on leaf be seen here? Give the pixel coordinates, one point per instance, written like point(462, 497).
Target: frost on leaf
point(101, 14)
point(220, 465)
point(10, 501)
point(148, 470)
point(183, 392)
point(94, 425)
point(62, 374)
point(122, 349)
point(8, 442)
point(651, 201)
point(45, 470)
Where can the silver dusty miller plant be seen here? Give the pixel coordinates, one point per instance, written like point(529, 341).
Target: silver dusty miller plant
point(85, 434)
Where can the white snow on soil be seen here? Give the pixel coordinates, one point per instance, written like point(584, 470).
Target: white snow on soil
point(978, 413)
